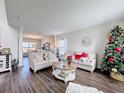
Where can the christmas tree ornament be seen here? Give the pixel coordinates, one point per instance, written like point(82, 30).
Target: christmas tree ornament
point(114, 70)
point(111, 59)
point(118, 49)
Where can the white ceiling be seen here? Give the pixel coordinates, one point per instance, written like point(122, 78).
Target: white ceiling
point(59, 16)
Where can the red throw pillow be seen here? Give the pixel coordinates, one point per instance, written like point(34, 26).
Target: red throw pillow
point(85, 55)
point(77, 56)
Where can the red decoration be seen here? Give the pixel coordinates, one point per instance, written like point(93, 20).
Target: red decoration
point(110, 39)
point(77, 56)
point(69, 59)
point(85, 55)
point(111, 59)
point(118, 49)
point(69, 63)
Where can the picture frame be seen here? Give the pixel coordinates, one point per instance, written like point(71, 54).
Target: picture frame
point(6, 51)
point(46, 46)
point(86, 41)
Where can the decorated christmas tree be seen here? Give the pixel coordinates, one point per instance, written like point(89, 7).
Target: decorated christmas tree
point(113, 59)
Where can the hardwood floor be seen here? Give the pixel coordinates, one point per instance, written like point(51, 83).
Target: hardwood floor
point(25, 81)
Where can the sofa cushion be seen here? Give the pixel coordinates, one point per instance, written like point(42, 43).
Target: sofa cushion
point(53, 60)
point(83, 59)
point(89, 64)
point(41, 62)
point(91, 56)
point(51, 55)
point(38, 56)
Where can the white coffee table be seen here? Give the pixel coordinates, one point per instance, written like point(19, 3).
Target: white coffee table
point(63, 71)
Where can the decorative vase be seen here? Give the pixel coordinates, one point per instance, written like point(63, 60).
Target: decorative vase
point(118, 77)
point(69, 63)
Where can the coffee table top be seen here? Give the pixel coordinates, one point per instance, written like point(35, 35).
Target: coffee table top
point(60, 65)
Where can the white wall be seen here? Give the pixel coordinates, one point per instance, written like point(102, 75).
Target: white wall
point(9, 39)
point(3, 18)
point(35, 37)
point(8, 34)
point(98, 34)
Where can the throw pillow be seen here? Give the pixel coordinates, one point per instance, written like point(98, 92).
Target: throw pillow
point(90, 58)
point(45, 56)
point(85, 55)
point(82, 59)
point(77, 56)
point(51, 55)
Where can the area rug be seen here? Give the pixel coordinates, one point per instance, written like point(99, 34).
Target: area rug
point(77, 88)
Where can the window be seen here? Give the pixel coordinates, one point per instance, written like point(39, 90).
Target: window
point(62, 46)
point(28, 46)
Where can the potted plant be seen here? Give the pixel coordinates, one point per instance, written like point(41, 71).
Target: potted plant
point(14, 64)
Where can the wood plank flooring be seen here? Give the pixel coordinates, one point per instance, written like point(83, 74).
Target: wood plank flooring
point(25, 81)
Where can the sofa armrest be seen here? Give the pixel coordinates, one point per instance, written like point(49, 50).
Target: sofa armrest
point(93, 61)
point(31, 60)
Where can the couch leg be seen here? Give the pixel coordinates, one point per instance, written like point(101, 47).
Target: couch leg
point(35, 71)
point(92, 72)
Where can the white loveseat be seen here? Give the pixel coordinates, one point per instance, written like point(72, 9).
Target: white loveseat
point(88, 63)
point(37, 62)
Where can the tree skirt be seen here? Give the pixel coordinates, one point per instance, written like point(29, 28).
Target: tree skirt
point(117, 76)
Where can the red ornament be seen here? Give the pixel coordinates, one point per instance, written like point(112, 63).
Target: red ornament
point(118, 49)
point(110, 39)
point(111, 59)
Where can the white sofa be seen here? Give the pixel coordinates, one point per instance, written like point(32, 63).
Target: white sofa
point(88, 63)
point(36, 61)
point(76, 88)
